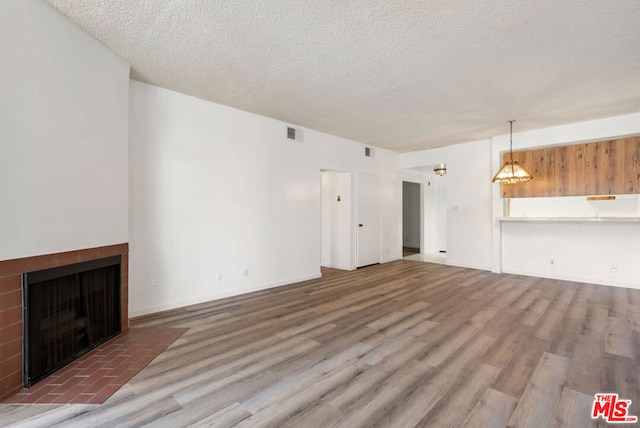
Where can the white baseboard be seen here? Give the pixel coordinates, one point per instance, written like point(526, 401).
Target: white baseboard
point(465, 265)
point(576, 278)
point(217, 296)
point(341, 267)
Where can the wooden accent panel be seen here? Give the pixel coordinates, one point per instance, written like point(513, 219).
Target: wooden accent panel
point(601, 168)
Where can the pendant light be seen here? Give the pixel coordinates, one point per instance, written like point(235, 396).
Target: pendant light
point(511, 172)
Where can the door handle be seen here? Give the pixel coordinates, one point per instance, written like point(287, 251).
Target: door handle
point(360, 225)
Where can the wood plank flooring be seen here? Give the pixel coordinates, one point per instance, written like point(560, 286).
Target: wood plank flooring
point(396, 345)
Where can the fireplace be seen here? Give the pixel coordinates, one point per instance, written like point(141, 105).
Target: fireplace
point(12, 310)
point(68, 311)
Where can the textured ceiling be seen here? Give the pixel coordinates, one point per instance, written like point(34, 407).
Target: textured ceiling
point(399, 74)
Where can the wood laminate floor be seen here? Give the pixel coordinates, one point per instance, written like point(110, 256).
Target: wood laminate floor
point(401, 344)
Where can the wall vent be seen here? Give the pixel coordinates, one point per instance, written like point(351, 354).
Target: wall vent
point(294, 134)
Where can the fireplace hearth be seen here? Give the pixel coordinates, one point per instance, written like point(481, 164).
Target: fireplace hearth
point(68, 310)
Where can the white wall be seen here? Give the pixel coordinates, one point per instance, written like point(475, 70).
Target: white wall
point(469, 199)
point(598, 253)
point(337, 220)
point(63, 135)
point(215, 190)
point(468, 195)
point(411, 210)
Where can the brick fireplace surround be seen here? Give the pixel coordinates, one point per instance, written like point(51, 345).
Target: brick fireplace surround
point(11, 303)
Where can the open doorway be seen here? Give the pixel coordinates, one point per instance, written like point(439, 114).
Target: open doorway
point(430, 216)
point(411, 218)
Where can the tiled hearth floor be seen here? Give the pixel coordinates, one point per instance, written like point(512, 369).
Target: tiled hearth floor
point(95, 376)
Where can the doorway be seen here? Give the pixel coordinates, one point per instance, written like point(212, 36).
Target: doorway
point(431, 215)
point(337, 220)
point(411, 218)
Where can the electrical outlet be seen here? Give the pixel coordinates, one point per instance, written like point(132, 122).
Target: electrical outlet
point(613, 268)
point(219, 276)
point(552, 262)
point(246, 271)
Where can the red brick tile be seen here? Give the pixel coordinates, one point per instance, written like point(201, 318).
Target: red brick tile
point(69, 373)
point(10, 332)
point(10, 300)
point(38, 391)
point(121, 248)
point(88, 254)
point(10, 283)
point(82, 398)
point(74, 390)
point(11, 383)
point(62, 399)
point(21, 399)
point(14, 266)
point(107, 251)
point(46, 399)
point(110, 365)
point(105, 393)
point(90, 379)
point(27, 264)
point(104, 373)
point(98, 385)
point(67, 258)
point(11, 316)
point(41, 262)
point(11, 365)
point(81, 364)
point(11, 349)
point(125, 377)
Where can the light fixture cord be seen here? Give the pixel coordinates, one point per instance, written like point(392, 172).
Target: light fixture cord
point(513, 172)
point(511, 140)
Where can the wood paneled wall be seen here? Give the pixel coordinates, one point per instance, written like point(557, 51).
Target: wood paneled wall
point(601, 168)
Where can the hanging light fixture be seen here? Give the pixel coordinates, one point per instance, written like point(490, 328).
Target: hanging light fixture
point(511, 172)
point(440, 169)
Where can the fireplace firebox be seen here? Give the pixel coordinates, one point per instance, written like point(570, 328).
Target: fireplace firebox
point(68, 310)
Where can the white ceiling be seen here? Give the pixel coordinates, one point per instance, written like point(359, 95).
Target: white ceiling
point(399, 74)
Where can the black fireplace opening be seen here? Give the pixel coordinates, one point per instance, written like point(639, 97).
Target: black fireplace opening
point(68, 311)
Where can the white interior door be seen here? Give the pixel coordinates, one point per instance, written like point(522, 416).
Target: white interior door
point(368, 217)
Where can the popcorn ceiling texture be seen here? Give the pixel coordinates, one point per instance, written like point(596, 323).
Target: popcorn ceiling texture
point(400, 74)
